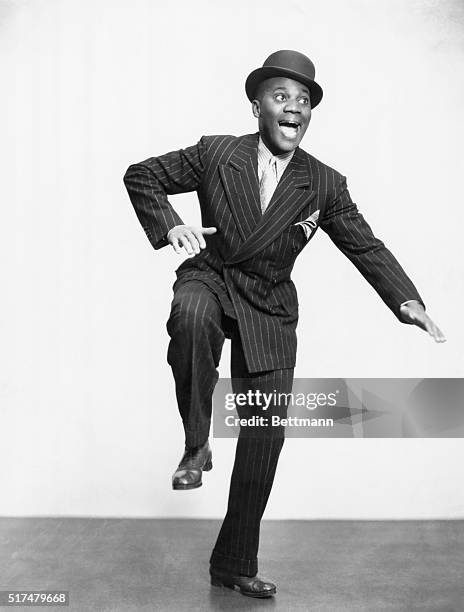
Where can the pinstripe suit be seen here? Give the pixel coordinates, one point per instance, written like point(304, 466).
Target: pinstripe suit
point(240, 287)
point(249, 260)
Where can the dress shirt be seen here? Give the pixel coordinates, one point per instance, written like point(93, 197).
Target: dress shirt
point(264, 157)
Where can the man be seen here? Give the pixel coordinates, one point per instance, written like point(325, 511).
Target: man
point(262, 198)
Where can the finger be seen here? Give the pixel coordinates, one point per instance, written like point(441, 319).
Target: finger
point(175, 245)
point(193, 241)
point(186, 244)
point(435, 332)
point(441, 336)
point(438, 334)
point(199, 236)
point(429, 328)
point(208, 230)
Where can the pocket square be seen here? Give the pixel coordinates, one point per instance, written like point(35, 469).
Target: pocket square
point(309, 224)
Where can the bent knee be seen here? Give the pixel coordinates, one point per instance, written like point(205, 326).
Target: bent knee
point(193, 313)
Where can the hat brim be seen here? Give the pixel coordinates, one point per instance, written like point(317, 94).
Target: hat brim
point(261, 74)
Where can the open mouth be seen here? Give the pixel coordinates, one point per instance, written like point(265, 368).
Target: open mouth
point(289, 128)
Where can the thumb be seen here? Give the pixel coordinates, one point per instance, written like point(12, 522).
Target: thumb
point(208, 230)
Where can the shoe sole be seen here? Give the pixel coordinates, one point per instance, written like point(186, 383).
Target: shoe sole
point(186, 487)
point(219, 583)
point(196, 485)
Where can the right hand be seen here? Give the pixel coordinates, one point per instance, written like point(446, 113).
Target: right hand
point(189, 237)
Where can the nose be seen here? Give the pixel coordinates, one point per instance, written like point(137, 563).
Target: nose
point(291, 106)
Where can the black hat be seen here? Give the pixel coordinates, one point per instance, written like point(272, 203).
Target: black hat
point(291, 64)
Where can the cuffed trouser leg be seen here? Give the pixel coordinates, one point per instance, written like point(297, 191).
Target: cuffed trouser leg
point(256, 457)
point(194, 351)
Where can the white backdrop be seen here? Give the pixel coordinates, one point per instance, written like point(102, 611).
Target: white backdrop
point(88, 416)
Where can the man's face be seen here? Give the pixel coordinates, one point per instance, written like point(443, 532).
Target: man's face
point(283, 109)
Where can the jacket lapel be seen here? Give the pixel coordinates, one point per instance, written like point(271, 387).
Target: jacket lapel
point(240, 179)
point(293, 192)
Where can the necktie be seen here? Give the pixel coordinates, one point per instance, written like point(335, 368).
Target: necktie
point(268, 183)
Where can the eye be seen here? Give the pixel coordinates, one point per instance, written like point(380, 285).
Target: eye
point(304, 100)
point(279, 97)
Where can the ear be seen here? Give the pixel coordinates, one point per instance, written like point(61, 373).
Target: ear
point(256, 106)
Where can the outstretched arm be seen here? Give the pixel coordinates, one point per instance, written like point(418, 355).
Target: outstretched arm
point(353, 236)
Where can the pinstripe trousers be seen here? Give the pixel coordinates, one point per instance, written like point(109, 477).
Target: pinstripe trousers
point(198, 327)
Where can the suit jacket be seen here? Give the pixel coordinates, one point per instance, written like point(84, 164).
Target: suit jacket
point(249, 260)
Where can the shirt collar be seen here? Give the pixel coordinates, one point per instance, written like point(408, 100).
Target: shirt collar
point(264, 157)
point(265, 154)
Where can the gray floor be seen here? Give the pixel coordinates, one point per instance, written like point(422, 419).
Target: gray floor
point(330, 566)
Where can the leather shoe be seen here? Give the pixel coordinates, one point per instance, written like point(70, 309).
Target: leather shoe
point(190, 469)
point(249, 586)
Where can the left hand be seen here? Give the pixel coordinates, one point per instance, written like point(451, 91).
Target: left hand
point(413, 312)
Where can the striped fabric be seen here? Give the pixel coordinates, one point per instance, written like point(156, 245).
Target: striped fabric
point(250, 258)
point(268, 183)
point(197, 327)
point(240, 287)
point(264, 155)
point(256, 457)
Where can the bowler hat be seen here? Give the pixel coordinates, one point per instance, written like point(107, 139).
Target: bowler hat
point(291, 64)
